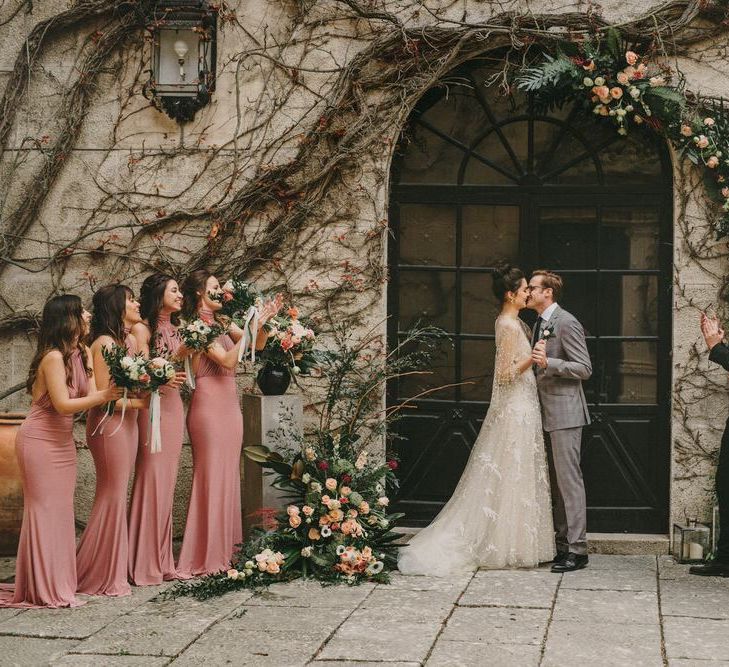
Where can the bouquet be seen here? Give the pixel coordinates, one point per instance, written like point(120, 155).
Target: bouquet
point(242, 303)
point(160, 371)
point(290, 344)
point(198, 335)
point(126, 371)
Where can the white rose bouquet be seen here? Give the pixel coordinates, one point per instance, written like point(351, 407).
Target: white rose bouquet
point(198, 335)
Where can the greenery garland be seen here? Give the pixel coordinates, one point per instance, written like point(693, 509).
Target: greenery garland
point(615, 81)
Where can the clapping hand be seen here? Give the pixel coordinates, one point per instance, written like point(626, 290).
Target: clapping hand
point(539, 354)
point(711, 330)
point(270, 309)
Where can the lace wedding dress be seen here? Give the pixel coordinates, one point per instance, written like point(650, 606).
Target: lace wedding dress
point(500, 514)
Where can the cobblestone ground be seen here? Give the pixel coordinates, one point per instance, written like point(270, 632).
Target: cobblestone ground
point(622, 610)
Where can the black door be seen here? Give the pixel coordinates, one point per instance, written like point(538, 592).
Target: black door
point(480, 178)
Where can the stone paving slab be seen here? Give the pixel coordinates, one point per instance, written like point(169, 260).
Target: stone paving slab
point(32, 651)
point(603, 644)
point(700, 599)
point(475, 654)
point(162, 627)
point(96, 660)
point(496, 625)
point(78, 622)
point(312, 594)
point(228, 645)
point(696, 638)
point(611, 580)
point(591, 606)
point(622, 563)
point(511, 588)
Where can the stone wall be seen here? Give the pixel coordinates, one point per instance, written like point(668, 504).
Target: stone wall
point(279, 63)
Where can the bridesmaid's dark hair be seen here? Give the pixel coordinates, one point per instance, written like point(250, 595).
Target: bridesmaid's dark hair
point(191, 288)
point(507, 278)
point(62, 328)
point(109, 305)
point(151, 298)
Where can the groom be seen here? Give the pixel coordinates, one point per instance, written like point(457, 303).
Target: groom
point(561, 363)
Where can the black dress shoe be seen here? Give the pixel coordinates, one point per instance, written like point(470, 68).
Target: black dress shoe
point(561, 557)
point(571, 563)
point(710, 570)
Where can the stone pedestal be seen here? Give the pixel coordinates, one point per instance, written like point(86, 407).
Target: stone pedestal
point(262, 415)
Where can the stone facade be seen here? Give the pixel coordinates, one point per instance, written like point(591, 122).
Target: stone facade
point(277, 64)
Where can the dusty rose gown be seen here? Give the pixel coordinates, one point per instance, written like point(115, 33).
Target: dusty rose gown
point(215, 424)
point(45, 572)
point(103, 551)
point(150, 514)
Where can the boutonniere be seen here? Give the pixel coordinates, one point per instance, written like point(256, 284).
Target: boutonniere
point(547, 332)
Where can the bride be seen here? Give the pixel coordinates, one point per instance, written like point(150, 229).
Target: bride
point(500, 513)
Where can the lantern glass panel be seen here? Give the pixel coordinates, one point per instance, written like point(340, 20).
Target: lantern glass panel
point(692, 543)
point(173, 77)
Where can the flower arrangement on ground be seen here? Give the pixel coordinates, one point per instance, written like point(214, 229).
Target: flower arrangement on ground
point(620, 83)
point(337, 526)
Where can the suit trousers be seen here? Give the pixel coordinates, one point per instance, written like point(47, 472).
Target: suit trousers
point(569, 505)
point(722, 494)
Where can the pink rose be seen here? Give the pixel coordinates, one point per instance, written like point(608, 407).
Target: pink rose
point(331, 484)
point(640, 71)
point(325, 500)
point(725, 192)
point(158, 362)
point(631, 57)
point(712, 162)
point(709, 122)
point(701, 141)
point(603, 92)
point(623, 78)
point(307, 510)
point(345, 491)
point(292, 510)
point(629, 71)
point(144, 378)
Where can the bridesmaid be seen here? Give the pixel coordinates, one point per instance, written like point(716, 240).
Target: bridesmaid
point(150, 515)
point(61, 384)
point(103, 552)
point(215, 425)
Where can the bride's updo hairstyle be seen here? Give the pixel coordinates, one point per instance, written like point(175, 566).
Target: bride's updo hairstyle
point(507, 278)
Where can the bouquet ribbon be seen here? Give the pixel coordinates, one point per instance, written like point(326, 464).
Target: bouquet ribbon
point(109, 413)
point(154, 440)
point(190, 376)
point(250, 333)
point(123, 412)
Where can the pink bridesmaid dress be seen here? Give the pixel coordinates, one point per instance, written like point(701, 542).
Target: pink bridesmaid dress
point(103, 552)
point(45, 571)
point(150, 514)
point(215, 424)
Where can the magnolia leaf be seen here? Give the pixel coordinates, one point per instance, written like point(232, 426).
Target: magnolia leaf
point(257, 453)
point(613, 41)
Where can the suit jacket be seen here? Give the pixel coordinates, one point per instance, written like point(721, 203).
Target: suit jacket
point(568, 364)
point(720, 355)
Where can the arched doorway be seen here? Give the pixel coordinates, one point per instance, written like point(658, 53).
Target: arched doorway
point(479, 177)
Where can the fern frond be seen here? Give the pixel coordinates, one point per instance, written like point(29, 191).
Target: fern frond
point(549, 73)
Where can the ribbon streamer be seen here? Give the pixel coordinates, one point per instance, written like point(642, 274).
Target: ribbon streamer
point(123, 412)
point(155, 429)
point(250, 333)
point(108, 412)
point(189, 374)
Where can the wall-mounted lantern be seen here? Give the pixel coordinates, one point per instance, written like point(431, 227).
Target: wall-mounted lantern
point(183, 57)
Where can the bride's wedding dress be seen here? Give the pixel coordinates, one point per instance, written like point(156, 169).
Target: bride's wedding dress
point(500, 514)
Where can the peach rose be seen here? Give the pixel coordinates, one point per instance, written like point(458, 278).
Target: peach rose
point(232, 574)
point(631, 57)
point(335, 515)
point(295, 521)
point(623, 78)
point(325, 499)
point(314, 534)
point(603, 111)
point(701, 141)
point(324, 520)
point(686, 130)
point(262, 566)
point(712, 162)
point(352, 514)
point(331, 484)
point(273, 568)
point(364, 507)
point(629, 71)
point(345, 491)
point(725, 192)
point(616, 92)
point(351, 527)
point(603, 92)
point(307, 510)
point(709, 122)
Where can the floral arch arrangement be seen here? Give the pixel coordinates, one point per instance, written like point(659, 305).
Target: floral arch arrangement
point(617, 82)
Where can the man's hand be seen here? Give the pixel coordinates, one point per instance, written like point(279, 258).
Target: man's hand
point(539, 354)
point(711, 330)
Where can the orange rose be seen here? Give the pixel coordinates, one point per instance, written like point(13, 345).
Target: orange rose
point(314, 534)
point(631, 57)
point(616, 92)
point(293, 313)
point(295, 521)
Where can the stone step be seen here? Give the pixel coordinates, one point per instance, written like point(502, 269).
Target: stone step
point(620, 544)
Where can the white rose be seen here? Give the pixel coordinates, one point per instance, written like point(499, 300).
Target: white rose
point(306, 478)
point(306, 552)
point(384, 501)
point(587, 81)
point(599, 81)
point(127, 362)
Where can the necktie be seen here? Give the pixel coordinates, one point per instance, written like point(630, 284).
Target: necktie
point(537, 331)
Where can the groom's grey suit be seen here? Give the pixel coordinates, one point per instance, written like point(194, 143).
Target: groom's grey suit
point(564, 413)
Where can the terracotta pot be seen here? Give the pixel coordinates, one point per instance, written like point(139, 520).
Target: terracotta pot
point(11, 487)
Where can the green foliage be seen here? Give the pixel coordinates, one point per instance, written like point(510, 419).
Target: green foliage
point(554, 72)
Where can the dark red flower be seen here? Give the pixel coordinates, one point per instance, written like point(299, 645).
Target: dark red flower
point(322, 465)
point(346, 479)
point(392, 464)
